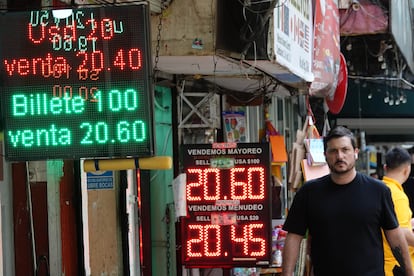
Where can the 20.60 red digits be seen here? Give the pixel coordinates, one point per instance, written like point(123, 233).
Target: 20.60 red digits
point(246, 183)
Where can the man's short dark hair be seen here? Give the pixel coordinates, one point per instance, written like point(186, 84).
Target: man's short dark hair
point(338, 132)
point(396, 157)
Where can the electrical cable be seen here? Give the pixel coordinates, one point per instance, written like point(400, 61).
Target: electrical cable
point(254, 26)
point(343, 20)
point(373, 16)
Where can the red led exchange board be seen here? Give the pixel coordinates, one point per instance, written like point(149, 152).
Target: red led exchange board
point(77, 86)
point(228, 203)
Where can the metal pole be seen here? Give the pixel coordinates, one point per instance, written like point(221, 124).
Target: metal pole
point(30, 206)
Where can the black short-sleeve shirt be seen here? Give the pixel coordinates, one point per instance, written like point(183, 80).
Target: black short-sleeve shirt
point(344, 222)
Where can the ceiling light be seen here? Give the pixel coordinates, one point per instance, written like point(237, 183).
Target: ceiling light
point(403, 98)
point(397, 101)
point(386, 98)
point(391, 101)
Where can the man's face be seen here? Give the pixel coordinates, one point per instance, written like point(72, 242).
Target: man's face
point(340, 155)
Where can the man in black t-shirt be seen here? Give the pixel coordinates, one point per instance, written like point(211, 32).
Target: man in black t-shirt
point(344, 213)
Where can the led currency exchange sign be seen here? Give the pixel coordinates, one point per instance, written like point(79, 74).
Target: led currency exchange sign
point(76, 87)
point(228, 203)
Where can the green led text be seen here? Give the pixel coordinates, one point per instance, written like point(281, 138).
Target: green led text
point(117, 101)
point(124, 132)
point(42, 104)
point(52, 136)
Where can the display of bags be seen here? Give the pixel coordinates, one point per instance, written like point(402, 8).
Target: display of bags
point(297, 154)
point(307, 158)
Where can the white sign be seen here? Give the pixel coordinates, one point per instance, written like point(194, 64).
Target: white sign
point(293, 30)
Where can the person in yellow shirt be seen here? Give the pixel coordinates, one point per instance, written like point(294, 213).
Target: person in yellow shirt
point(398, 168)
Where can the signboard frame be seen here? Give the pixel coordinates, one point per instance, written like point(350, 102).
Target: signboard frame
point(77, 87)
point(228, 194)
